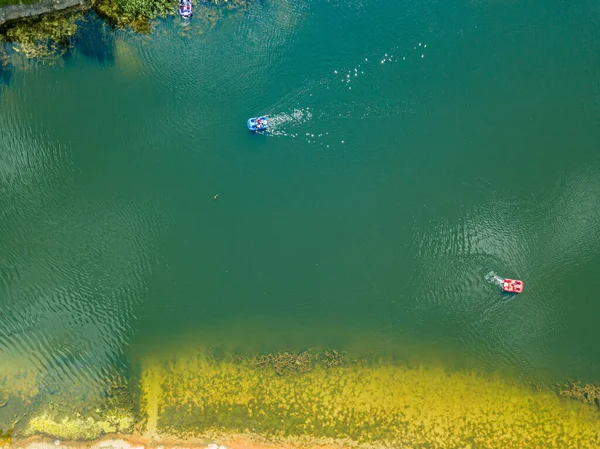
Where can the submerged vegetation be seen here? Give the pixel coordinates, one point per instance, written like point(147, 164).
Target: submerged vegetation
point(317, 397)
point(5, 436)
point(75, 411)
point(80, 428)
point(16, 383)
point(60, 416)
point(357, 403)
point(588, 393)
point(302, 362)
point(44, 37)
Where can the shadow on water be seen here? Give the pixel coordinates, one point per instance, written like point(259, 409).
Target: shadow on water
point(507, 297)
point(6, 72)
point(5, 76)
point(95, 40)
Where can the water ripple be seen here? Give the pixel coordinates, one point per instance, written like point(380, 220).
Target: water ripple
point(71, 270)
point(505, 236)
point(198, 68)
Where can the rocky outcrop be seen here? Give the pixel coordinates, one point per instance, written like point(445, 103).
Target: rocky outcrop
point(16, 12)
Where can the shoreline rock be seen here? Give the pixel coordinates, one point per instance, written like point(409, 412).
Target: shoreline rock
point(13, 13)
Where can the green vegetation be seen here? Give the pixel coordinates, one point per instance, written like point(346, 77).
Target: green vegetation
point(136, 14)
point(52, 35)
point(45, 37)
point(303, 362)
point(588, 393)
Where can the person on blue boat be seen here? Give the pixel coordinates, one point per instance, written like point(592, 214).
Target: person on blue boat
point(257, 123)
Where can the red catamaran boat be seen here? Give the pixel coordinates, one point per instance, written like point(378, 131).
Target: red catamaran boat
point(512, 285)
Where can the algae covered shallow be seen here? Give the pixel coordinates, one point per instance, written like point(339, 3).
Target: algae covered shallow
point(354, 403)
point(386, 404)
point(46, 37)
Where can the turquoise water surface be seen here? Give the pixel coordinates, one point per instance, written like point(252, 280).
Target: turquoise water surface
point(414, 147)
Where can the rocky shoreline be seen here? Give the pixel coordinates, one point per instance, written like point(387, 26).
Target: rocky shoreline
point(12, 13)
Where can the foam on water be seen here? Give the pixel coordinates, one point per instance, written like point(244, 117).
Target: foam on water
point(280, 123)
point(314, 119)
point(493, 278)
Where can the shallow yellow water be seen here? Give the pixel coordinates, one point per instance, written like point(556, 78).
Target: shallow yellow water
point(386, 403)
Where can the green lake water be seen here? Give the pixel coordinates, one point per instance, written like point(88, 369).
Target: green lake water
point(414, 148)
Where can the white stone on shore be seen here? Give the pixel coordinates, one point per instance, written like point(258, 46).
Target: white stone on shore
point(115, 444)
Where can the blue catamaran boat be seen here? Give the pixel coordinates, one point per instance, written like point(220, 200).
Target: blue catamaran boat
point(185, 9)
point(257, 123)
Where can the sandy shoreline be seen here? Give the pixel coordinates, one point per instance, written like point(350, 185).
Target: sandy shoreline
point(143, 442)
point(109, 442)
